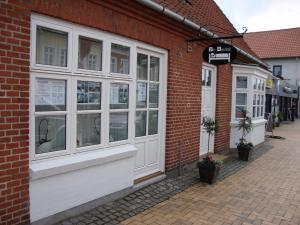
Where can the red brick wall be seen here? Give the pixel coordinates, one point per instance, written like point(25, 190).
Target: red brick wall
point(223, 107)
point(126, 18)
point(14, 106)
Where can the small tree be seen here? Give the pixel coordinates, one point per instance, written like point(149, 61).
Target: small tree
point(245, 124)
point(211, 126)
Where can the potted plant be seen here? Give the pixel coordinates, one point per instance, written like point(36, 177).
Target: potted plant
point(245, 148)
point(208, 167)
point(279, 118)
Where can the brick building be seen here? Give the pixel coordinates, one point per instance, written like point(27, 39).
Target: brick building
point(99, 95)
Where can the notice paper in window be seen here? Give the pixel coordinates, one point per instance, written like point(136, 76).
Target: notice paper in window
point(50, 92)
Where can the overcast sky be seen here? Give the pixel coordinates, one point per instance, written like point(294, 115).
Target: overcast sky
point(261, 15)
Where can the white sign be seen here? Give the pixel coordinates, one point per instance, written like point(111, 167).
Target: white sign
point(142, 92)
point(50, 92)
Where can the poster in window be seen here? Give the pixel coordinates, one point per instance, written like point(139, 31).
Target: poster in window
point(50, 92)
point(142, 92)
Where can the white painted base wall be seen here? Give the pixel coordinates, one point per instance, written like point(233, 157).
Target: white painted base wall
point(58, 192)
point(256, 136)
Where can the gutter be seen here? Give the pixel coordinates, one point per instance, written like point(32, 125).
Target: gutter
point(171, 14)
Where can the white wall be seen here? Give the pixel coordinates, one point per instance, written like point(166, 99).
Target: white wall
point(56, 189)
point(290, 68)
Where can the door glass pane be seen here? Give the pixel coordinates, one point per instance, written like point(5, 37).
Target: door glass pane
point(50, 134)
point(120, 58)
point(88, 129)
point(141, 95)
point(51, 47)
point(154, 68)
point(90, 54)
point(208, 78)
point(241, 99)
point(241, 82)
point(140, 123)
point(50, 95)
point(118, 126)
point(142, 67)
point(153, 95)
point(119, 96)
point(153, 122)
point(88, 95)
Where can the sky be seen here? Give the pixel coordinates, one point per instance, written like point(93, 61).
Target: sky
point(261, 15)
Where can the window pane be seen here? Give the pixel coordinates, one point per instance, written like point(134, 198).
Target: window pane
point(253, 111)
point(119, 96)
point(140, 123)
point(50, 134)
point(262, 100)
point(90, 54)
point(51, 47)
point(238, 111)
point(153, 122)
point(50, 95)
point(263, 85)
point(141, 95)
point(258, 84)
point(241, 82)
point(88, 129)
point(277, 70)
point(254, 83)
point(154, 68)
point(261, 111)
point(203, 77)
point(118, 126)
point(153, 95)
point(254, 99)
point(142, 67)
point(88, 95)
point(241, 99)
point(258, 99)
point(258, 111)
point(120, 56)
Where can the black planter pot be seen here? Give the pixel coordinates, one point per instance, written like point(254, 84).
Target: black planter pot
point(245, 152)
point(208, 174)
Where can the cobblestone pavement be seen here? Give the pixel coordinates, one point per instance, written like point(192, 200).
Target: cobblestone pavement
point(265, 190)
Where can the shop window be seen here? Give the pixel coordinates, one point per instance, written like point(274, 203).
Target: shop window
point(51, 47)
point(277, 70)
point(240, 104)
point(120, 57)
point(241, 82)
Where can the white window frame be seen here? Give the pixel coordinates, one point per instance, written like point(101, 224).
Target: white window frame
point(240, 91)
point(72, 74)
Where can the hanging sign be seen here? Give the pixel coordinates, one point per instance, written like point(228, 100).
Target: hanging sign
point(269, 83)
point(220, 53)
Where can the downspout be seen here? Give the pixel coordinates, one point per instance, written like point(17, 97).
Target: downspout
point(171, 14)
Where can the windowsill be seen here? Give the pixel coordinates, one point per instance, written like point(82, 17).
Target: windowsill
point(255, 122)
point(78, 161)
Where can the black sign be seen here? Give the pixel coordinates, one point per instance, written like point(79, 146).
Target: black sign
point(219, 54)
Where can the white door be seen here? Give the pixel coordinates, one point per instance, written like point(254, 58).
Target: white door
point(208, 103)
point(149, 113)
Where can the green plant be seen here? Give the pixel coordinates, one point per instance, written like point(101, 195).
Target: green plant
point(280, 117)
point(211, 126)
point(245, 124)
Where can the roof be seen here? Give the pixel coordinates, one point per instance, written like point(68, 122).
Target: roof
point(208, 14)
point(275, 43)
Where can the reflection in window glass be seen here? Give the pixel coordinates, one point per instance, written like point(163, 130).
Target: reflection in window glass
point(120, 58)
point(241, 99)
point(88, 95)
point(153, 95)
point(88, 129)
point(50, 134)
point(50, 95)
point(140, 123)
point(119, 96)
point(238, 111)
point(118, 126)
point(241, 82)
point(141, 95)
point(142, 67)
point(90, 54)
point(154, 68)
point(153, 122)
point(51, 47)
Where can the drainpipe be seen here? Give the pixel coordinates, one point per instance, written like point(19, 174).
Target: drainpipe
point(171, 14)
